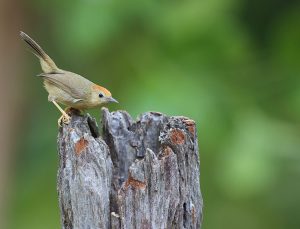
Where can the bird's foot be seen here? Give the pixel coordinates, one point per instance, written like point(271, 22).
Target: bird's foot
point(64, 119)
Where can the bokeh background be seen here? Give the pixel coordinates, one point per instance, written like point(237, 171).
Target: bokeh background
point(233, 66)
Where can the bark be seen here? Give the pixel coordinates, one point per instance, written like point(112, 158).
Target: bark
point(141, 174)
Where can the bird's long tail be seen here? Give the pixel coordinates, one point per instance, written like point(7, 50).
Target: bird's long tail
point(47, 64)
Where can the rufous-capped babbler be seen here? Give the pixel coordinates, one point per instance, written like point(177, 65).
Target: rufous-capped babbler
point(67, 88)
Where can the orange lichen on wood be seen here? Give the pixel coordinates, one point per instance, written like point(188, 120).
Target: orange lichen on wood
point(193, 215)
point(177, 137)
point(165, 152)
point(134, 183)
point(190, 125)
point(80, 145)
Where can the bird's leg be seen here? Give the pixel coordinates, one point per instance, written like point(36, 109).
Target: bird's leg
point(65, 118)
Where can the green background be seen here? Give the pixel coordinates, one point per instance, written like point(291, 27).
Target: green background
point(232, 66)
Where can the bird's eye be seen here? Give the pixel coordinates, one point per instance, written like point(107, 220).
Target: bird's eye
point(101, 95)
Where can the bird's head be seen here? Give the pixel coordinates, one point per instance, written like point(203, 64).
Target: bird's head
point(101, 95)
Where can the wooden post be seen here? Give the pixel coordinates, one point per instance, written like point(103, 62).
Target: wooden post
point(141, 174)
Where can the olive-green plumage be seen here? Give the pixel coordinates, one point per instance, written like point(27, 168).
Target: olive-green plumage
point(67, 87)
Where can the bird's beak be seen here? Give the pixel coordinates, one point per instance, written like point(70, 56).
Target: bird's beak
point(112, 100)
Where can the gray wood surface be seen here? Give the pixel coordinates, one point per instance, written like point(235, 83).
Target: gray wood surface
point(140, 174)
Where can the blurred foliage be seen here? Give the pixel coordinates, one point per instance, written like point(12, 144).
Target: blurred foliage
point(233, 66)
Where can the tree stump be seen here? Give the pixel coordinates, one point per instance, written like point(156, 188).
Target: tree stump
point(141, 174)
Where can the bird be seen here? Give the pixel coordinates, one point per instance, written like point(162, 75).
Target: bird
point(65, 87)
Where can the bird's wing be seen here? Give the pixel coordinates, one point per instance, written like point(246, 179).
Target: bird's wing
point(73, 84)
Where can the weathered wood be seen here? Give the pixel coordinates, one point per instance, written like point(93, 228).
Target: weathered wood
point(144, 174)
point(84, 177)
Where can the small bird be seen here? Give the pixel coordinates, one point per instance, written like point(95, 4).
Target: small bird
point(67, 88)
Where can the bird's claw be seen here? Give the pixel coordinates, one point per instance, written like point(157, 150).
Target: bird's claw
point(64, 119)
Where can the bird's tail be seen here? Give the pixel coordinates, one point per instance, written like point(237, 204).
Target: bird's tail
point(47, 64)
